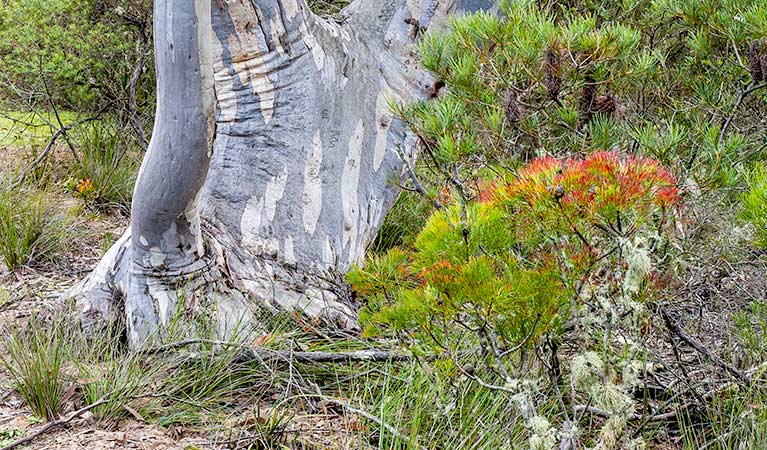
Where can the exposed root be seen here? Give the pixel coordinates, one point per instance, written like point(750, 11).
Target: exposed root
point(227, 287)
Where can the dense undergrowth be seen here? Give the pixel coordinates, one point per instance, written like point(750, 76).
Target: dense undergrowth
point(568, 160)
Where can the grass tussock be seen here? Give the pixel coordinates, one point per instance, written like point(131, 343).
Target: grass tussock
point(105, 172)
point(32, 229)
point(36, 359)
point(219, 391)
point(106, 371)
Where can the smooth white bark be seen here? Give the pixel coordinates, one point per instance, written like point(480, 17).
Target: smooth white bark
point(271, 163)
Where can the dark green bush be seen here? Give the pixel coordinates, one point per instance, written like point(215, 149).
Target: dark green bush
point(654, 78)
point(83, 52)
point(548, 155)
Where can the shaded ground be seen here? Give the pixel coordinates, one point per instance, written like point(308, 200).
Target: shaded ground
point(326, 431)
point(29, 291)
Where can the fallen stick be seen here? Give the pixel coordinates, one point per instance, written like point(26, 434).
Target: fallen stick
point(55, 424)
point(677, 330)
point(346, 357)
point(304, 357)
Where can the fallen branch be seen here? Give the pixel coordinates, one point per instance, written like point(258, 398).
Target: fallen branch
point(600, 412)
point(716, 441)
point(677, 330)
point(358, 356)
point(56, 424)
point(304, 357)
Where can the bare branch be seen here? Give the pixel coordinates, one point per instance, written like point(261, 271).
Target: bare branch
point(304, 357)
point(743, 94)
point(132, 104)
point(47, 150)
point(674, 327)
point(62, 128)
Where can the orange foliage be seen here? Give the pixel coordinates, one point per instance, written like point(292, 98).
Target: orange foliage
point(600, 185)
point(84, 187)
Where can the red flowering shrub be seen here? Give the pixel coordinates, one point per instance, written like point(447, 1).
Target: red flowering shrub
point(603, 189)
point(617, 182)
point(518, 257)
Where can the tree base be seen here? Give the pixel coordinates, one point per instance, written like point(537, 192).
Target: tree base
point(228, 289)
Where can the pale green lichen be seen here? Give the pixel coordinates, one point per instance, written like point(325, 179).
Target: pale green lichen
point(637, 255)
point(544, 436)
point(586, 368)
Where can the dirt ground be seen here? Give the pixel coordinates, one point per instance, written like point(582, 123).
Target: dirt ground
point(707, 297)
point(31, 290)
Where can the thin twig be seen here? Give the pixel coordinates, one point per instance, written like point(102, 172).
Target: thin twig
point(417, 186)
point(717, 440)
point(516, 348)
point(372, 417)
point(132, 103)
point(749, 89)
point(44, 154)
point(62, 128)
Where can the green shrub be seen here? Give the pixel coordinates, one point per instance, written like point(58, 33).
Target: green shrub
point(31, 228)
point(35, 360)
point(573, 78)
point(551, 149)
point(579, 77)
point(86, 54)
point(754, 203)
point(562, 242)
point(512, 261)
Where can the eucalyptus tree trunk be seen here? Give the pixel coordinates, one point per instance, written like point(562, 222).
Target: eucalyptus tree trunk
point(271, 163)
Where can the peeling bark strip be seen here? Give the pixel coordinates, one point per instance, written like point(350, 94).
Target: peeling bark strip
point(268, 172)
